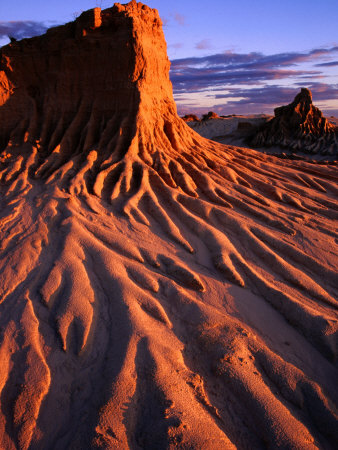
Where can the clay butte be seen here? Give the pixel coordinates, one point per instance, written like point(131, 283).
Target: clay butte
point(157, 290)
point(299, 126)
point(92, 81)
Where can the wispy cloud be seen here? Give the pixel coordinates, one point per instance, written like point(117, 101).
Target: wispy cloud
point(177, 45)
point(227, 68)
point(267, 80)
point(262, 99)
point(203, 45)
point(327, 64)
point(165, 21)
point(195, 80)
point(255, 59)
point(173, 17)
point(23, 29)
point(179, 19)
point(271, 95)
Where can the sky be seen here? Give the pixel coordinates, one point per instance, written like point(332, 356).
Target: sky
point(231, 57)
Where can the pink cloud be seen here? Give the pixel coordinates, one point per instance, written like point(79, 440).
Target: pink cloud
point(204, 44)
point(179, 19)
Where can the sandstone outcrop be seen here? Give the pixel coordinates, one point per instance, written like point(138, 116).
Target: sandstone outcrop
point(299, 126)
point(190, 118)
point(210, 115)
point(87, 83)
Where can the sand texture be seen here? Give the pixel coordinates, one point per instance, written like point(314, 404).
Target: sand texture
point(158, 290)
point(232, 130)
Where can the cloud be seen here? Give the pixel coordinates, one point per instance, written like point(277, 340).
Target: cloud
point(323, 91)
point(204, 44)
point(254, 60)
point(263, 99)
point(23, 29)
point(177, 45)
point(327, 64)
point(179, 19)
point(165, 21)
point(267, 95)
point(195, 80)
point(254, 82)
point(272, 95)
point(228, 68)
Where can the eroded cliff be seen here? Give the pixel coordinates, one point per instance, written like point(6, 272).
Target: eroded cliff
point(299, 126)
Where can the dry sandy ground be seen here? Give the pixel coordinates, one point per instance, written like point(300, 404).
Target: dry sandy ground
point(333, 120)
point(233, 130)
point(227, 127)
point(227, 124)
point(158, 290)
point(199, 314)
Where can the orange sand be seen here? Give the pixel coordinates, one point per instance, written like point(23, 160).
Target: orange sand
point(158, 290)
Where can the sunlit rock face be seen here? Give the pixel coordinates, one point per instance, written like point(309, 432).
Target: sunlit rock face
point(299, 126)
point(85, 83)
point(157, 290)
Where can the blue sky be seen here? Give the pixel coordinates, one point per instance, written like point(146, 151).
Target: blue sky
point(240, 56)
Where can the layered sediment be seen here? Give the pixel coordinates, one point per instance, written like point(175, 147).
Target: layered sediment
point(86, 83)
point(299, 126)
point(157, 290)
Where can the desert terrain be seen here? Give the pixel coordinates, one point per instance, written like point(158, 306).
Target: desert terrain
point(298, 130)
point(157, 289)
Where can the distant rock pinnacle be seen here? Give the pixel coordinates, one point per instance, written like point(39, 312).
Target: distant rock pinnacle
point(299, 126)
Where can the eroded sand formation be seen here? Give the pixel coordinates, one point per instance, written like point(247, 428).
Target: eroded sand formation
point(299, 126)
point(158, 290)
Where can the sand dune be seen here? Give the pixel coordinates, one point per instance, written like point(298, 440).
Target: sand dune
point(158, 290)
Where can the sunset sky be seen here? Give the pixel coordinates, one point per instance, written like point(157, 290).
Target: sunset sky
point(232, 57)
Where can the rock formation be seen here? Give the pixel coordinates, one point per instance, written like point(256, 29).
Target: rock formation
point(190, 118)
point(74, 87)
point(299, 126)
point(157, 290)
point(210, 115)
